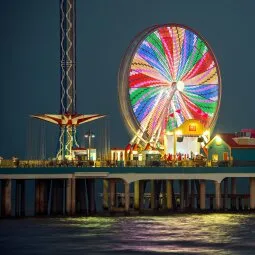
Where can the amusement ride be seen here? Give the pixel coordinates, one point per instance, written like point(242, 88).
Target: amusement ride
point(169, 88)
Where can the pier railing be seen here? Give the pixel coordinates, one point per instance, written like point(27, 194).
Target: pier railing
point(7, 163)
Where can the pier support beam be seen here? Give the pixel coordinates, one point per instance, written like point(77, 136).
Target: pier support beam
point(40, 197)
point(105, 194)
point(233, 193)
point(112, 194)
point(217, 195)
point(164, 195)
point(73, 197)
point(20, 198)
point(141, 196)
point(169, 195)
point(81, 191)
point(225, 200)
point(136, 195)
point(240, 203)
point(182, 194)
point(91, 196)
point(186, 193)
point(153, 194)
point(157, 193)
point(202, 194)
point(127, 197)
point(37, 197)
point(57, 197)
point(69, 197)
point(211, 203)
point(192, 194)
point(6, 198)
point(197, 185)
point(252, 193)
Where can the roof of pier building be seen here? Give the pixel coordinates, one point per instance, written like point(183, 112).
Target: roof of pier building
point(233, 140)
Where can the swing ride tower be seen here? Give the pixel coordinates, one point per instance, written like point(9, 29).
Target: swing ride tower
point(67, 119)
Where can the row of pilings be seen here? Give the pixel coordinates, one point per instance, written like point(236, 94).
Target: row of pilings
point(77, 196)
point(51, 197)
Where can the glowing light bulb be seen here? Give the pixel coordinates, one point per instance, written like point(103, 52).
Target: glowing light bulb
point(218, 139)
point(178, 132)
point(180, 85)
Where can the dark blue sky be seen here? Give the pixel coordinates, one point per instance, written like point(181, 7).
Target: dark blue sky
point(29, 52)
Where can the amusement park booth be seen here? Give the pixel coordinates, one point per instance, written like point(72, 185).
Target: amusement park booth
point(117, 154)
point(150, 154)
point(187, 138)
point(138, 156)
point(84, 154)
point(238, 146)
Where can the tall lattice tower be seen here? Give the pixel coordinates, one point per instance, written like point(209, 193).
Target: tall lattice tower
point(67, 119)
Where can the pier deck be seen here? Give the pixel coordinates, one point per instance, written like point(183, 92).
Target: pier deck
point(129, 174)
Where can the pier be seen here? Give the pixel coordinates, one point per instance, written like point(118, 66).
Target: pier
point(71, 191)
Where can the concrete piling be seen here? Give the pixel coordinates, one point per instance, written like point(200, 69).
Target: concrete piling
point(197, 186)
point(136, 195)
point(164, 196)
point(127, 197)
point(68, 197)
point(225, 199)
point(71, 196)
point(81, 200)
point(158, 185)
point(37, 197)
point(186, 193)
point(192, 194)
point(54, 197)
point(20, 198)
point(233, 194)
point(169, 195)
point(112, 195)
point(252, 193)
point(202, 195)
point(105, 194)
point(153, 195)
point(211, 203)
point(57, 197)
point(217, 195)
point(182, 202)
point(41, 187)
point(141, 196)
point(6, 198)
point(91, 196)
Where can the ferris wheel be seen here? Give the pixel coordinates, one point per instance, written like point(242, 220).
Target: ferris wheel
point(168, 75)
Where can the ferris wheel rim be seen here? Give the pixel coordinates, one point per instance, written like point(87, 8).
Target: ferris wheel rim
point(123, 85)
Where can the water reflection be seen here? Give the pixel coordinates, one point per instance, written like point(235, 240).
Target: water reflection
point(177, 234)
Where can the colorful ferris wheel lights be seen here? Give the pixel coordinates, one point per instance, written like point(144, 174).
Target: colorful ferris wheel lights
point(168, 76)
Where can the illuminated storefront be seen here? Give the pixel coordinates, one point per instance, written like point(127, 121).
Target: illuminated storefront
point(187, 139)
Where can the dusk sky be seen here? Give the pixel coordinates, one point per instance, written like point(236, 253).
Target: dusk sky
point(29, 51)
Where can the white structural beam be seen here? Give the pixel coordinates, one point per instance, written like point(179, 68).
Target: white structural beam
point(131, 177)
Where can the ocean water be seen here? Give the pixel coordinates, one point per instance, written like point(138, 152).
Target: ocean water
point(176, 234)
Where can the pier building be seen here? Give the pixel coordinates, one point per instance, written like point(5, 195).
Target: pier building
point(236, 147)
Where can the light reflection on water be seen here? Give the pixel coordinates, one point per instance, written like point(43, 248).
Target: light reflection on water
point(177, 234)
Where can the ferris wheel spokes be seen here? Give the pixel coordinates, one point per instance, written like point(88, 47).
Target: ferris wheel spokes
point(169, 76)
